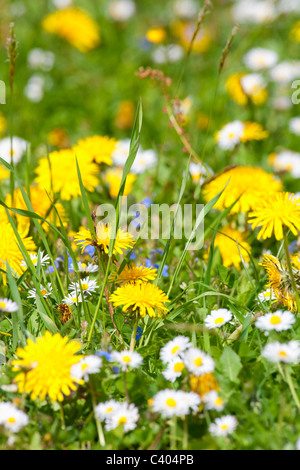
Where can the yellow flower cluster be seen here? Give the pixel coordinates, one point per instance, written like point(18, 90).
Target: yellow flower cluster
point(74, 25)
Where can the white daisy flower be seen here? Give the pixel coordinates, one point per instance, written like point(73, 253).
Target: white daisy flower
point(213, 401)
point(253, 83)
point(88, 365)
point(88, 286)
point(62, 3)
point(11, 418)
point(230, 135)
point(254, 11)
point(34, 89)
point(40, 59)
point(170, 53)
point(198, 362)
point(288, 6)
point(174, 348)
point(144, 160)
point(45, 291)
point(124, 414)
point(191, 400)
point(127, 358)
point(185, 9)
point(174, 369)
point(7, 305)
point(259, 58)
point(217, 318)
point(198, 172)
point(121, 10)
point(266, 296)
point(104, 410)
point(44, 259)
point(18, 149)
point(73, 298)
point(287, 160)
point(282, 352)
point(285, 72)
point(223, 426)
point(294, 125)
point(170, 402)
point(10, 388)
point(278, 321)
point(88, 268)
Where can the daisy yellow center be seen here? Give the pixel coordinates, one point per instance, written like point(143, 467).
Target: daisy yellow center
point(127, 359)
point(84, 286)
point(84, 366)
point(282, 353)
point(224, 427)
point(171, 402)
point(123, 420)
point(198, 362)
point(109, 410)
point(175, 349)
point(219, 320)
point(275, 319)
point(2, 305)
point(11, 420)
point(219, 401)
point(178, 367)
point(43, 292)
point(75, 299)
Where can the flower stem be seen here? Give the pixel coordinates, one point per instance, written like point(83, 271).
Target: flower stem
point(290, 269)
point(62, 415)
point(98, 423)
point(99, 302)
point(133, 335)
point(291, 386)
point(173, 426)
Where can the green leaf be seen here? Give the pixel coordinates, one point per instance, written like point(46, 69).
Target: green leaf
point(230, 364)
point(119, 321)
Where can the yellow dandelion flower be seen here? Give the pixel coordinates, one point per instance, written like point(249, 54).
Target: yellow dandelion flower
point(63, 174)
point(41, 206)
point(234, 88)
point(279, 280)
point(295, 32)
point(134, 273)
point(97, 148)
point(257, 92)
point(58, 137)
point(296, 261)
point(144, 298)
point(251, 184)
point(185, 32)
point(3, 124)
point(156, 35)
point(9, 250)
point(253, 131)
point(74, 25)
point(232, 246)
point(4, 174)
point(274, 213)
point(123, 240)
point(204, 384)
point(45, 367)
point(114, 177)
point(125, 115)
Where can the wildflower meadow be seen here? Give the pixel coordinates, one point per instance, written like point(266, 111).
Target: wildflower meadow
point(150, 225)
